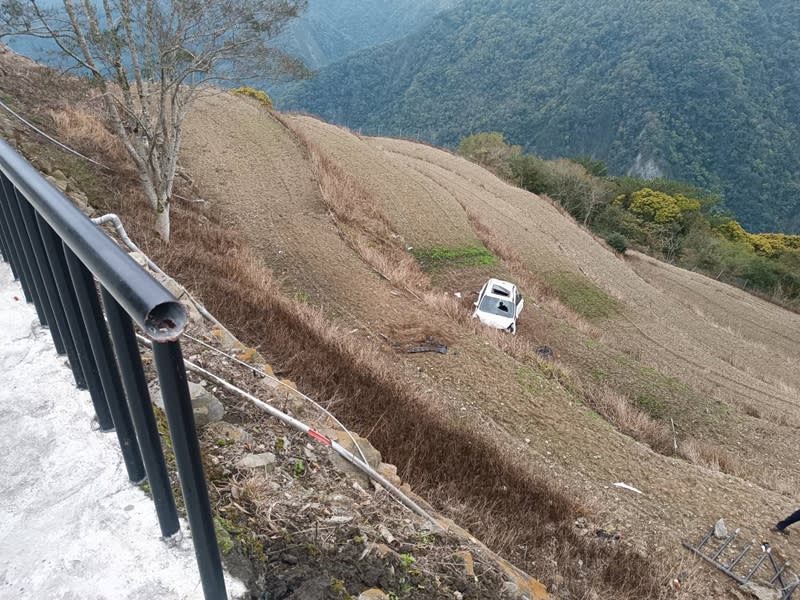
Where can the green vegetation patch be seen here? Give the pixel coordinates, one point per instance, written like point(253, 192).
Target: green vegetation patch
point(439, 257)
point(582, 296)
point(652, 405)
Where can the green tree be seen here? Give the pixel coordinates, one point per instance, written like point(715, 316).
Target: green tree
point(490, 150)
point(152, 58)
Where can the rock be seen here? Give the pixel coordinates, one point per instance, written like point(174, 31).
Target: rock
point(389, 471)
point(373, 594)
point(45, 165)
point(81, 200)
point(61, 184)
point(223, 430)
point(139, 258)
point(761, 592)
point(205, 405)
point(370, 452)
point(386, 534)
point(511, 591)
point(207, 409)
point(264, 460)
point(312, 588)
point(720, 531)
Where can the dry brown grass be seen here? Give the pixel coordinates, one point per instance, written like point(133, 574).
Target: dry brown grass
point(620, 411)
point(365, 228)
point(709, 456)
point(87, 133)
point(522, 514)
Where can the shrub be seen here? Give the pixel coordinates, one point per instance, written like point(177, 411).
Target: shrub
point(250, 92)
point(618, 242)
point(490, 150)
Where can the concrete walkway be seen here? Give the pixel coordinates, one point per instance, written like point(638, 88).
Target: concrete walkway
point(71, 525)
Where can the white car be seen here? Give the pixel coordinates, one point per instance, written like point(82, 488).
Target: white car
point(499, 304)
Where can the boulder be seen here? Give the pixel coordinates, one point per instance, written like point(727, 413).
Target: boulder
point(720, 531)
point(265, 460)
point(207, 409)
point(61, 184)
point(373, 594)
point(761, 592)
point(372, 455)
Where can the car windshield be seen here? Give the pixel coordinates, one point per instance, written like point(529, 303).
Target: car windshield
point(497, 306)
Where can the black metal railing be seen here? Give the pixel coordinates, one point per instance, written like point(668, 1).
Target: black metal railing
point(60, 259)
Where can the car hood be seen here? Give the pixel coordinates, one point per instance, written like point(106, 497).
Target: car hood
point(494, 320)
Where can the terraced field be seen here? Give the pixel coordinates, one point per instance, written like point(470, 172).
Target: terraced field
point(681, 347)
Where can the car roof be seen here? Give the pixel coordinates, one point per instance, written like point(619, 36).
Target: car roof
point(503, 285)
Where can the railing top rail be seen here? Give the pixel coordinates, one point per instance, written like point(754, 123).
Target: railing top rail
point(153, 308)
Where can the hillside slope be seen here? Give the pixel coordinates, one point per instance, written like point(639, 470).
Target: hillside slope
point(699, 91)
point(674, 353)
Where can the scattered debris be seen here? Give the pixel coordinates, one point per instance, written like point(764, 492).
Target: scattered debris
point(603, 534)
point(545, 352)
point(628, 487)
point(738, 564)
point(428, 345)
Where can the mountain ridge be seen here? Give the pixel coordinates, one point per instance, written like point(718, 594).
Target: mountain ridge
point(701, 92)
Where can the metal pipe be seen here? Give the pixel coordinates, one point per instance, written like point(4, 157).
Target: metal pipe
point(149, 304)
point(144, 422)
point(120, 229)
point(363, 466)
point(740, 556)
point(178, 408)
point(778, 571)
point(58, 323)
point(716, 563)
point(57, 303)
point(23, 247)
point(727, 543)
point(7, 225)
point(89, 305)
point(4, 247)
point(758, 564)
point(40, 267)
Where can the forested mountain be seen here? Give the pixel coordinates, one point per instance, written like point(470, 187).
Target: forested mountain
point(705, 91)
point(332, 29)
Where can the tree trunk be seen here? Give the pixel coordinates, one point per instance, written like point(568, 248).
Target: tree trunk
point(162, 221)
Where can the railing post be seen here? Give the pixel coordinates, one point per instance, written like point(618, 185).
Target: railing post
point(12, 256)
point(89, 304)
point(4, 246)
point(23, 251)
point(55, 253)
point(178, 407)
point(144, 422)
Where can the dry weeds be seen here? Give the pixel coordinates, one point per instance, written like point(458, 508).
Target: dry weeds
point(709, 456)
point(520, 513)
point(86, 132)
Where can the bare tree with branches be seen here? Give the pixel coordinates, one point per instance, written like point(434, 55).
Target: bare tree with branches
point(151, 58)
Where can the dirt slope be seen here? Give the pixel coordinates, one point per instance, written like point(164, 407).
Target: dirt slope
point(260, 176)
point(675, 336)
